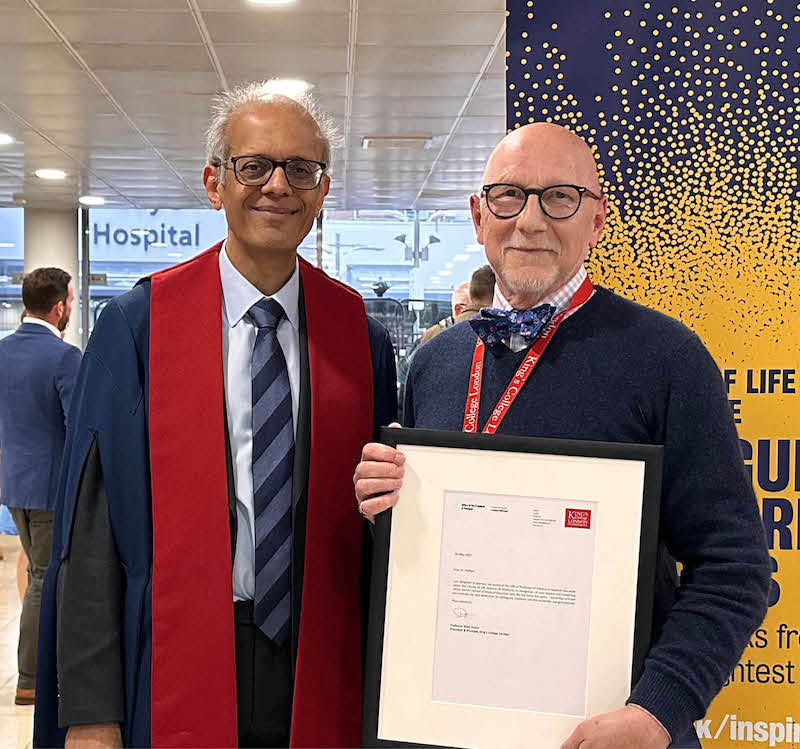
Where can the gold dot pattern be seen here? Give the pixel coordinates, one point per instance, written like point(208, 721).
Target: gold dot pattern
point(692, 112)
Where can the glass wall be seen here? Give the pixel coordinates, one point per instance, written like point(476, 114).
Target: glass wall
point(400, 254)
point(404, 263)
point(126, 245)
point(11, 268)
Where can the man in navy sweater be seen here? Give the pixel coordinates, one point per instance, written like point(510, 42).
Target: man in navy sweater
point(612, 371)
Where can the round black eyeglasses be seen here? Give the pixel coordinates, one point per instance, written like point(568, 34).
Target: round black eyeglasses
point(256, 171)
point(556, 201)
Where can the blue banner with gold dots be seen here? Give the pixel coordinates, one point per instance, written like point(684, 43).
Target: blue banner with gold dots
point(692, 110)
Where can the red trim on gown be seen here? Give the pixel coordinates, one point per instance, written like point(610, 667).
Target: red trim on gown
point(193, 673)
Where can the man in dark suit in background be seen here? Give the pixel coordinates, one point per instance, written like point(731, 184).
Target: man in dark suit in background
point(205, 588)
point(37, 375)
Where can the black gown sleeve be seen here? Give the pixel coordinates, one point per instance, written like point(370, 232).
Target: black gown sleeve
point(384, 377)
point(384, 394)
point(89, 600)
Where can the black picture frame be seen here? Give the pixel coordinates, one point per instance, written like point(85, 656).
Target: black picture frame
point(650, 455)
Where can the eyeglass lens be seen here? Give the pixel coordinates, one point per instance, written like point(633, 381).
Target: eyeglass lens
point(561, 201)
point(254, 170)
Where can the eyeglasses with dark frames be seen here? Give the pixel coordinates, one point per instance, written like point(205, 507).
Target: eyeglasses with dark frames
point(556, 201)
point(256, 171)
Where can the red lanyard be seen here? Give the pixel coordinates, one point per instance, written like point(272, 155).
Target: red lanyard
point(519, 379)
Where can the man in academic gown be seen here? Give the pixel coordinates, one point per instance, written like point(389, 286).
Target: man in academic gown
point(205, 588)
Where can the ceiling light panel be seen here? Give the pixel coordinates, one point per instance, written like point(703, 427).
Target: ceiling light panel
point(91, 200)
point(51, 174)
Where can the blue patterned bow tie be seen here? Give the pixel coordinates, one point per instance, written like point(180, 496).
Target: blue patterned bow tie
point(497, 325)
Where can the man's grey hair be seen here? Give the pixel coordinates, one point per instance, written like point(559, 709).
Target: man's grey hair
point(226, 103)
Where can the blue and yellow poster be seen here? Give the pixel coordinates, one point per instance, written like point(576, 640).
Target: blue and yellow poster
point(692, 109)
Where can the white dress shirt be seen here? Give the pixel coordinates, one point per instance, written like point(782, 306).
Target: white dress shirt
point(238, 340)
point(560, 299)
point(38, 321)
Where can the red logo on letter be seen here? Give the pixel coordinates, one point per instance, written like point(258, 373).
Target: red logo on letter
point(578, 519)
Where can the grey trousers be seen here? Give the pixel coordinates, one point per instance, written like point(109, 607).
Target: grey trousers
point(36, 534)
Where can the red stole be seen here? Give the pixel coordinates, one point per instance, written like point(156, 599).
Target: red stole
point(193, 677)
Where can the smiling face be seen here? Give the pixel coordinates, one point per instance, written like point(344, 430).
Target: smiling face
point(274, 218)
point(533, 255)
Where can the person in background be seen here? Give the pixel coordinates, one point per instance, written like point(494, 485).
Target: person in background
point(37, 376)
point(458, 300)
point(23, 566)
point(8, 528)
point(608, 370)
point(479, 293)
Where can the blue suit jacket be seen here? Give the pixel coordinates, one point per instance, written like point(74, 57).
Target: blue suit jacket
point(37, 375)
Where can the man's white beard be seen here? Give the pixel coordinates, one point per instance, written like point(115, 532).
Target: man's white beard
point(526, 285)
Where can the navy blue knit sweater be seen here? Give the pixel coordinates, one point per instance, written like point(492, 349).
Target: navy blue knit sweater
point(619, 372)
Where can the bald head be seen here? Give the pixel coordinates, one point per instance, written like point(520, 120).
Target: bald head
point(533, 253)
point(460, 298)
point(560, 150)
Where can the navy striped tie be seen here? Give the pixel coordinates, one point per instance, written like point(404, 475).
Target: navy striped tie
point(273, 460)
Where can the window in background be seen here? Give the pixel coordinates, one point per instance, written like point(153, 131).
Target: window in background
point(404, 263)
point(128, 244)
point(11, 268)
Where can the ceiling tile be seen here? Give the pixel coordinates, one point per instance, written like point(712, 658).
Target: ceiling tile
point(256, 62)
point(424, 7)
point(21, 58)
point(172, 107)
point(253, 11)
point(438, 29)
point(119, 27)
point(23, 27)
point(442, 106)
point(150, 83)
point(266, 29)
point(385, 124)
point(492, 124)
point(80, 107)
point(413, 59)
point(405, 85)
point(169, 58)
point(130, 6)
point(45, 83)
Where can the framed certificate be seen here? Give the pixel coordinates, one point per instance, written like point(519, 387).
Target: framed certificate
point(512, 589)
